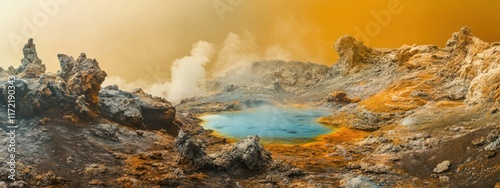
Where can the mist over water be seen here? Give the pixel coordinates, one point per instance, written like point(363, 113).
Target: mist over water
point(271, 123)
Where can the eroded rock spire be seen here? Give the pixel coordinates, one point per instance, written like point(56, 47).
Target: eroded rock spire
point(31, 66)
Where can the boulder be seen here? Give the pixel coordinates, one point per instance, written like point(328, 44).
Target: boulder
point(120, 106)
point(138, 109)
point(442, 167)
point(247, 152)
point(357, 182)
point(190, 152)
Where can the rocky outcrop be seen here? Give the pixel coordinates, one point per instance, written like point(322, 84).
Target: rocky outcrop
point(120, 106)
point(31, 66)
point(277, 75)
point(288, 75)
point(190, 152)
point(72, 90)
point(76, 90)
point(247, 152)
point(467, 68)
point(353, 56)
point(138, 109)
point(82, 77)
point(477, 63)
point(353, 52)
point(493, 145)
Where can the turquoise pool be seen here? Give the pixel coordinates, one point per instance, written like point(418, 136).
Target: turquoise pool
point(270, 123)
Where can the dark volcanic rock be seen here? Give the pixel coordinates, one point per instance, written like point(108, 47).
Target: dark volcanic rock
point(21, 89)
point(138, 109)
point(157, 112)
point(190, 152)
point(45, 95)
point(120, 106)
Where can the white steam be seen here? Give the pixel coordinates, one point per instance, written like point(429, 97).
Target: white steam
point(188, 73)
point(188, 76)
point(234, 56)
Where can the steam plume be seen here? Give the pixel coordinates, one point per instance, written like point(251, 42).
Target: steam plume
point(188, 73)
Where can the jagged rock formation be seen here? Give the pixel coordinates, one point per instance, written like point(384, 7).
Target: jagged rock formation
point(78, 93)
point(353, 55)
point(251, 153)
point(82, 78)
point(31, 66)
point(247, 153)
point(476, 63)
point(76, 89)
point(190, 152)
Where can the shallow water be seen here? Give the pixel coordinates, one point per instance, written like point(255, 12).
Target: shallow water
point(272, 124)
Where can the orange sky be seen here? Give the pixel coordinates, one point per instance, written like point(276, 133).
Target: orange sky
point(140, 39)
